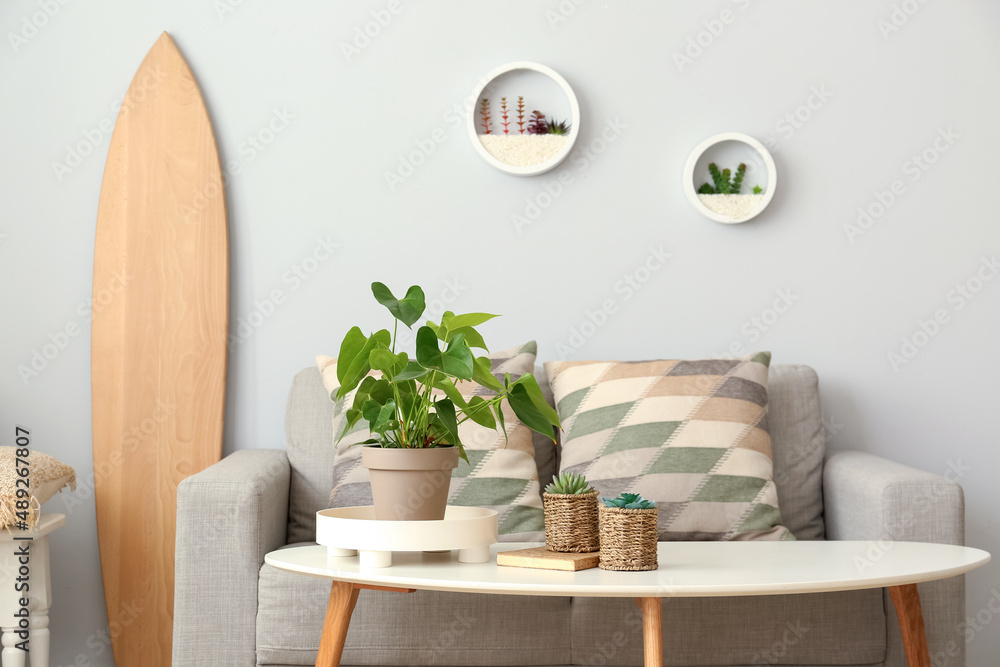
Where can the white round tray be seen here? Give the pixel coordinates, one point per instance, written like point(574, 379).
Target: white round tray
point(350, 531)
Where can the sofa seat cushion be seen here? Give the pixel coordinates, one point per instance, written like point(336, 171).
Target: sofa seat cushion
point(425, 627)
point(844, 628)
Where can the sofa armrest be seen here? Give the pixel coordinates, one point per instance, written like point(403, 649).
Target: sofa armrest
point(872, 499)
point(228, 517)
point(867, 497)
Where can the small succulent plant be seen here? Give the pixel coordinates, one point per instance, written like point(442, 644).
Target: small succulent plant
point(537, 123)
point(757, 189)
point(630, 501)
point(725, 182)
point(561, 127)
point(571, 483)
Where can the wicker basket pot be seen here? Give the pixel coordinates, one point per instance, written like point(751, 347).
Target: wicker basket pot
point(628, 538)
point(571, 522)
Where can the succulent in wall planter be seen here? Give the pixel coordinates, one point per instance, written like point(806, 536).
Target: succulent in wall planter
point(571, 515)
point(723, 195)
point(628, 533)
point(413, 406)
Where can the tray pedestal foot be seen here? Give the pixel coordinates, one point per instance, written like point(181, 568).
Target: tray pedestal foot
point(474, 555)
point(337, 552)
point(375, 558)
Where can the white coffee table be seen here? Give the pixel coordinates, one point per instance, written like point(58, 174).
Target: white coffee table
point(687, 569)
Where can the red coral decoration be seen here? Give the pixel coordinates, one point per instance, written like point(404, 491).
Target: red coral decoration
point(520, 113)
point(503, 107)
point(484, 110)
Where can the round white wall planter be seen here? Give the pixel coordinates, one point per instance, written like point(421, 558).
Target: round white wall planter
point(346, 531)
point(561, 152)
point(694, 161)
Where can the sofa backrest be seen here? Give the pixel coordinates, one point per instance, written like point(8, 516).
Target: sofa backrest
point(794, 420)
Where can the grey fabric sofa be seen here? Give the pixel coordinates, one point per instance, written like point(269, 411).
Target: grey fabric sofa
point(231, 610)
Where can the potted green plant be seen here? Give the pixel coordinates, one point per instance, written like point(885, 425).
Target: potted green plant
point(571, 515)
point(723, 194)
point(413, 406)
point(628, 533)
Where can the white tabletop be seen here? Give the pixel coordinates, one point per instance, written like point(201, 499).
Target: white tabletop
point(687, 569)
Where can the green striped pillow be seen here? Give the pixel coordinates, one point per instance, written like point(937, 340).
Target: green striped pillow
point(691, 435)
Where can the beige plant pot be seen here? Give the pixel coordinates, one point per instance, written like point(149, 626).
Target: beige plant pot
point(571, 522)
point(410, 484)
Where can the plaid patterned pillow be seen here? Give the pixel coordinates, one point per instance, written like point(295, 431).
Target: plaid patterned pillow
point(691, 435)
point(498, 476)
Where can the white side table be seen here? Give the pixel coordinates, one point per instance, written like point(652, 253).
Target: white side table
point(38, 594)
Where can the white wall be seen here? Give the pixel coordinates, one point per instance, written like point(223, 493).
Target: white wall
point(450, 222)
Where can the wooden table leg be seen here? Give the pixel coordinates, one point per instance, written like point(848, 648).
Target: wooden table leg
point(343, 597)
point(911, 624)
point(652, 631)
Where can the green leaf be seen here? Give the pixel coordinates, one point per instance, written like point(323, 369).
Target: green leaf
point(445, 411)
point(538, 399)
point(379, 417)
point(479, 412)
point(349, 349)
point(452, 321)
point(412, 371)
point(359, 366)
point(498, 411)
point(408, 309)
point(353, 416)
point(387, 362)
point(526, 411)
point(369, 441)
point(456, 360)
point(445, 384)
point(483, 374)
point(472, 337)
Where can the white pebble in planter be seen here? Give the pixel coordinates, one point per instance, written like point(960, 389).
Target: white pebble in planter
point(730, 150)
point(526, 119)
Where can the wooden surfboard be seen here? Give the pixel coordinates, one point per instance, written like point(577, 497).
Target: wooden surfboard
point(158, 357)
